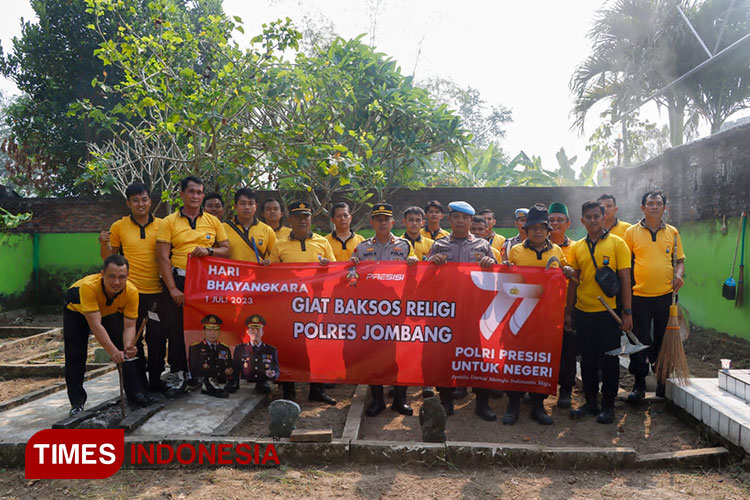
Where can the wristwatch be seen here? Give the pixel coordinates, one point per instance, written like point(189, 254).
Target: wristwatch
point(627, 311)
point(210, 251)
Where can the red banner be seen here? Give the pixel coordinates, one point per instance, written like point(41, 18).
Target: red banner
point(389, 323)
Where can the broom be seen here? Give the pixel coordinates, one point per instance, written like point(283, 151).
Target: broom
point(671, 360)
point(729, 289)
point(741, 282)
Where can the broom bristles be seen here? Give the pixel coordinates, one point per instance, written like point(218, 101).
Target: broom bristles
point(671, 361)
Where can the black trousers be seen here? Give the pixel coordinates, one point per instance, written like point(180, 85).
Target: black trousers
point(567, 375)
point(446, 394)
point(648, 312)
point(174, 329)
point(597, 333)
point(535, 396)
point(76, 338)
point(155, 334)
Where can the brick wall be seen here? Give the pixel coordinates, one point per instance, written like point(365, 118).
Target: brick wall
point(76, 215)
point(703, 180)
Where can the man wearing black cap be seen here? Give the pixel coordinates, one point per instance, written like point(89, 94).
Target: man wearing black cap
point(559, 223)
point(535, 251)
point(462, 246)
point(434, 213)
point(302, 245)
point(255, 361)
point(210, 359)
point(385, 246)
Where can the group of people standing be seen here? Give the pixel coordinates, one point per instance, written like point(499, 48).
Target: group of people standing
point(145, 261)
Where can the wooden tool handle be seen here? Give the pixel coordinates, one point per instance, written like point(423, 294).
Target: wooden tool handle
point(610, 310)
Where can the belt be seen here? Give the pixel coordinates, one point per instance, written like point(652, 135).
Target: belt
point(179, 272)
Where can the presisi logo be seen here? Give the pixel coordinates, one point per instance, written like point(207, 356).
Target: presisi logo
point(385, 277)
point(509, 288)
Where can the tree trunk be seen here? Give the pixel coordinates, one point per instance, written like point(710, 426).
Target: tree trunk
point(676, 112)
point(625, 145)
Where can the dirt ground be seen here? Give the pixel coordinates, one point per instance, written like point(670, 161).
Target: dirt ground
point(393, 481)
point(48, 316)
point(648, 428)
point(314, 416)
point(10, 389)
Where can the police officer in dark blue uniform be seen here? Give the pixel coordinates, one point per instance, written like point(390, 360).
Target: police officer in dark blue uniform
point(256, 361)
point(210, 360)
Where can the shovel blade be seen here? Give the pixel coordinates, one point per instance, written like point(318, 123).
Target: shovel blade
point(153, 316)
point(627, 350)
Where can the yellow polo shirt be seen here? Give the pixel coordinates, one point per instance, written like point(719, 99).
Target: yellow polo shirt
point(566, 246)
point(496, 241)
point(290, 249)
point(652, 257)
point(421, 246)
point(523, 255)
point(282, 232)
point(619, 228)
point(610, 251)
point(87, 295)
point(258, 232)
point(184, 235)
point(138, 245)
point(343, 250)
point(440, 233)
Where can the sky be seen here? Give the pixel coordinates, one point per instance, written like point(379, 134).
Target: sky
point(517, 53)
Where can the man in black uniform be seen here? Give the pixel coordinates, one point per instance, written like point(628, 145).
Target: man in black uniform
point(255, 361)
point(210, 359)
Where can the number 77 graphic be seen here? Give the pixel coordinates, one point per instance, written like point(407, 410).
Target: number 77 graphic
point(509, 288)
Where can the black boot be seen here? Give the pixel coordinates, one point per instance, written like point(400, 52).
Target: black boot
point(399, 402)
point(161, 387)
point(290, 392)
point(538, 412)
point(446, 399)
point(589, 409)
point(639, 391)
point(563, 400)
point(318, 393)
point(427, 392)
point(483, 409)
point(514, 408)
point(607, 416)
point(378, 401)
point(460, 393)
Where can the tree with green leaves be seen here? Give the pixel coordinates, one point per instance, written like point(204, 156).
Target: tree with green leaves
point(52, 63)
point(341, 121)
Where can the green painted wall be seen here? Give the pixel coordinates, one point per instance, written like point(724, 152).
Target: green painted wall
point(16, 270)
point(709, 259)
point(63, 259)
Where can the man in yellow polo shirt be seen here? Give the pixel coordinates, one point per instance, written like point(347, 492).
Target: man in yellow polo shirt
point(535, 251)
point(434, 212)
point(658, 268)
point(597, 331)
point(250, 240)
point(343, 239)
point(302, 245)
point(135, 237)
point(496, 240)
point(559, 222)
point(105, 304)
point(272, 213)
point(611, 222)
point(413, 222)
point(187, 232)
